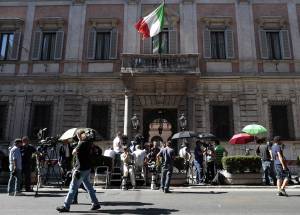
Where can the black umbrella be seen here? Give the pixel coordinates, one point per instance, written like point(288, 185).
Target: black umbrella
point(184, 135)
point(207, 136)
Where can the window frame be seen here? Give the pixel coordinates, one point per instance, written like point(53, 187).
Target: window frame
point(52, 46)
point(105, 31)
point(7, 54)
point(218, 45)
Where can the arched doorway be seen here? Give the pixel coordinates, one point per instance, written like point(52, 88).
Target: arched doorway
point(151, 115)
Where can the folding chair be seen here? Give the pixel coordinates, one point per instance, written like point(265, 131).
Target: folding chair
point(102, 172)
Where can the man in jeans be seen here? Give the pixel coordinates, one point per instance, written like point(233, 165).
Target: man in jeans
point(81, 173)
point(198, 163)
point(281, 170)
point(168, 156)
point(264, 152)
point(15, 167)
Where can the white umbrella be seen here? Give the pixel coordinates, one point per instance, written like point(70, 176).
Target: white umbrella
point(70, 133)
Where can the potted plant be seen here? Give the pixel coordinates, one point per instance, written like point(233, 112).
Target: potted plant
point(242, 169)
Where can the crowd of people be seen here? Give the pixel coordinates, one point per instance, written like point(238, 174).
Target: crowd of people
point(137, 157)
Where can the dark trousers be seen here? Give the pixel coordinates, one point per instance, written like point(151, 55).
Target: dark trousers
point(268, 173)
point(26, 171)
point(210, 171)
point(166, 175)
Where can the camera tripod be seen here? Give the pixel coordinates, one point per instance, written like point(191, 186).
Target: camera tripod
point(47, 163)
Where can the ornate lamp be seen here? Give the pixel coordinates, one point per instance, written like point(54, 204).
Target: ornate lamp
point(135, 122)
point(182, 122)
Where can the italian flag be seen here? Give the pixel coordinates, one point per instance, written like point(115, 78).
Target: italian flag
point(151, 25)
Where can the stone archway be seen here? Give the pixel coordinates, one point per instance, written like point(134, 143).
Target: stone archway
point(150, 115)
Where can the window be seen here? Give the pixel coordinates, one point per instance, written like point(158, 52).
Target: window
point(222, 121)
point(274, 44)
point(160, 43)
point(282, 123)
point(6, 45)
point(164, 43)
point(102, 44)
point(41, 117)
point(3, 120)
point(47, 45)
point(99, 119)
point(218, 44)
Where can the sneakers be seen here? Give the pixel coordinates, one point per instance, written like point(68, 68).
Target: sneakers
point(167, 191)
point(95, 207)
point(19, 194)
point(11, 194)
point(62, 209)
point(283, 192)
point(279, 193)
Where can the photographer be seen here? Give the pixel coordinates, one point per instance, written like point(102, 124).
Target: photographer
point(81, 173)
point(128, 168)
point(15, 167)
point(26, 151)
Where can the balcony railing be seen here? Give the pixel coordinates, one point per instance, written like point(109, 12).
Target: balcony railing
point(164, 63)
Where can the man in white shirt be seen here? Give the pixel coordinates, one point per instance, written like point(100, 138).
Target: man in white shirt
point(139, 158)
point(117, 143)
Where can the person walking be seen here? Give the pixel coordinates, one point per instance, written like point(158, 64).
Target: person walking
point(168, 155)
point(26, 151)
point(264, 151)
point(281, 169)
point(81, 173)
point(15, 168)
point(198, 162)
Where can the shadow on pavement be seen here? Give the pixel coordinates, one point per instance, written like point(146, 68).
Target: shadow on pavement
point(116, 203)
point(190, 192)
point(130, 211)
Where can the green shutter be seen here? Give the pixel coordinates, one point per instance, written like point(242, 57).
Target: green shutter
point(229, 43)
point(36, 45)
point(173, 41)
point(263, 42)
point(91, 46)
point(113, 44)
point(59, 44)
point(285, 44)
point(206, 44)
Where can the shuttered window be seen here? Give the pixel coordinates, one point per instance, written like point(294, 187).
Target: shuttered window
point(6, 45)
point(102, 44)
point(47, 45)
point(41, 116)
point(218, 44)
point(274, 45)
point(160, 43)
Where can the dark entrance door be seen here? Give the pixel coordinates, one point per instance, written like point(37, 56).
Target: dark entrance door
point(280, 121)
point(149, 115)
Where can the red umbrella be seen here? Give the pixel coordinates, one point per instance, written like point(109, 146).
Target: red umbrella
point(242, 138)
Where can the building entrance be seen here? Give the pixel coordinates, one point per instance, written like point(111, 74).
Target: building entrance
point(159, 124)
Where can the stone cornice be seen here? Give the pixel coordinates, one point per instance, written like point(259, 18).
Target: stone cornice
point(51, 22)
point(11, 23)
point(272, 22)
point(103, 22)
point(217, 21)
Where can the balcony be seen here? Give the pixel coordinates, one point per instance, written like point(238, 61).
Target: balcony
point(160, 64)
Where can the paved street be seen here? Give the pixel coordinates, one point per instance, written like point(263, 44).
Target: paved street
point(198, 200)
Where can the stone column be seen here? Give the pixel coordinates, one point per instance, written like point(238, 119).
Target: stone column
point(206, 117)
point(188, 27)
point(294, 32)
point(125, 130)
point(246, 36)
point(75, 38)
point(18, 119)
point(190, 113)
point(131, 38)
point(236, 115)
point(27, 35)
point(295, 118)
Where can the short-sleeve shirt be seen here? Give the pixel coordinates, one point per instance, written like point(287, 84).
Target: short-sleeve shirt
point(263, 151)
point(15, 154)
point(139, 157)
point(275, 149)
point(198, 154)
point(167, 154)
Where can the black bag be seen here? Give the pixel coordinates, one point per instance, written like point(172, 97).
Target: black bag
point(219, 179)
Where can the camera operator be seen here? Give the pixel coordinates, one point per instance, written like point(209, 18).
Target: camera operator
point(210, 162)
point(26, 151)
point(81, 173)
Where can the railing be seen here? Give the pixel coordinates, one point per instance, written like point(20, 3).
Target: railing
point(164, 63)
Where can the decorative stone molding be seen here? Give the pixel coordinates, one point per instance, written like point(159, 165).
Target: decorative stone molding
point(51, 22)
point(217, 22)
point(11, 23)
point(133, 1)
point(103, 22)
point(188, 1)
point(244, 1)
point(272, 22)
point(78, 2)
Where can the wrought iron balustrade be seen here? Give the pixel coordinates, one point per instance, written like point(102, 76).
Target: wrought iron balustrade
point(164, 63)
